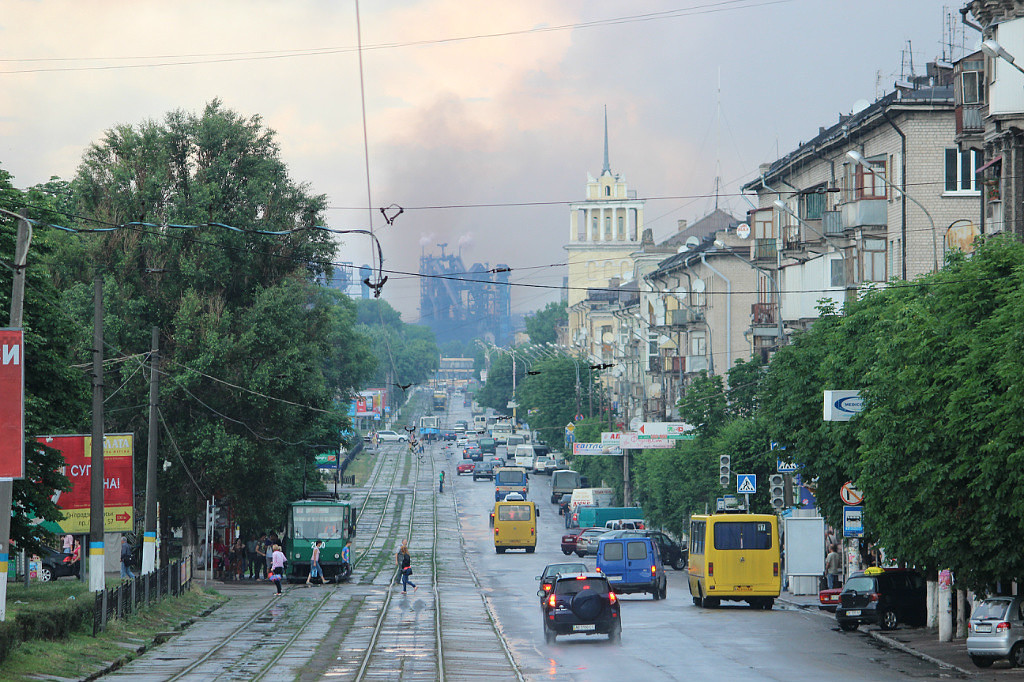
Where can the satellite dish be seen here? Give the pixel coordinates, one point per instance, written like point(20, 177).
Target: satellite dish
point(699, 286)
point(860, 105)
point(692, 242)
point(607, 337)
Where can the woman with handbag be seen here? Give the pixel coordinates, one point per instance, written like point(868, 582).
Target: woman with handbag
point(277, 562)
point(404, 563)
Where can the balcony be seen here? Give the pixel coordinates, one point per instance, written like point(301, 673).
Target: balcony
point(970, 118)
point(696, 363)
point(684, 316)
point(763, 313)
point(655, 364)
point(865, 213)
point(791, 237)
point(832, 223)
point(765, 249)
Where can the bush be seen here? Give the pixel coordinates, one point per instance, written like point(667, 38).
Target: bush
point(46, 622)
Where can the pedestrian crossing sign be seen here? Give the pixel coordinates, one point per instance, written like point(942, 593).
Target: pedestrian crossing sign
point(746, 483)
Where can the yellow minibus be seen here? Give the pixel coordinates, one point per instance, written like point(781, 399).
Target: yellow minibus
point(515, 525)
point(734, 557)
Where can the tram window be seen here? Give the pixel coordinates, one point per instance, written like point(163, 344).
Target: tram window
point(320, 523)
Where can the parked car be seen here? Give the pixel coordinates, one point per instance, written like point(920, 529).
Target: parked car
point(483, 470)
point(882, 596)
point(632, 564)
point(465, 467)
point(996, 631)
point(570, 539)
point(53, 565)
point(828, 599)
point(551, 571)
point(581, 604)
point(391, 437)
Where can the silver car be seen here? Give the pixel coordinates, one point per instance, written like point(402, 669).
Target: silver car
point(997, 631)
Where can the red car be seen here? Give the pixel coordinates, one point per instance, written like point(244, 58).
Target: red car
point(569, 540)
point(465, 468)
point(828, 600)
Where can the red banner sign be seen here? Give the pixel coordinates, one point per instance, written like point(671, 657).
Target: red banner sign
point(118, 494)
point(12, 404)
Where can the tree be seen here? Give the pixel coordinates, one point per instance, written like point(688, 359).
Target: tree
point(542, 326)
point(56, 394)
point(405, 353)
point(254, 354)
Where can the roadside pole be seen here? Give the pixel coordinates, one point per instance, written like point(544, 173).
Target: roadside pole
point(7, 485)
point(627, 484)
point(149, 537)
point(97, 579)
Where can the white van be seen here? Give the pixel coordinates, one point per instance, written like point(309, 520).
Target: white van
point(595, 497)
point(524, 456)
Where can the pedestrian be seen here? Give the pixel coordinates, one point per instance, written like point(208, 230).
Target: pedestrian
point(440, 486)
point(126, 559)
point(261, 557)
point(404, 563)
point(314, 564)
point(251, 557)
point(238, 559)
point(69, 543)
point(277, 562)
point(268, 550)
point(833, 566)
point(346, 556)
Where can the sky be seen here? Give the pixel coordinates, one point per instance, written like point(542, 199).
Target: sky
point(482, 119)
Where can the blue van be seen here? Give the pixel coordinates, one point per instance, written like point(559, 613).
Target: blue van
point(632, 564)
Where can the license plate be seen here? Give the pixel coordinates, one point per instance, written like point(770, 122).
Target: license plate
point(855, 612)
point(613, 578)
point(744, 588)
point(584, 628)
point(983, 627)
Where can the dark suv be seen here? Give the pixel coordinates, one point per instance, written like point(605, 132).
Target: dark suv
point(581, 603)
point(882, 596)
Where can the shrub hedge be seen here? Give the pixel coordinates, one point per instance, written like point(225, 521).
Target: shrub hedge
point(46, 622)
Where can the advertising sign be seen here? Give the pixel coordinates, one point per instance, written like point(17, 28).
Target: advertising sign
point(634, 441)
point(670, 430)
point(12, 404)
point(369, 402)
point(841, 406)
point(586, 449)
point(610, 438)
point(118, 480)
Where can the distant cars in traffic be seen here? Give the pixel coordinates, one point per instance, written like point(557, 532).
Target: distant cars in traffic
point(391, 437)
point(465, 468)
point(483, 470)
point(551, 571)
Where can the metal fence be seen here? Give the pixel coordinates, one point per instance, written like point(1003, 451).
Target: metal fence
point(133, 595)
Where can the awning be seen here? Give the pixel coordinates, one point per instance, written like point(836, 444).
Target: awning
point(993, 161)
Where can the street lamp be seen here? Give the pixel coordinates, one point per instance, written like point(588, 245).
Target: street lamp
point(994, 50)
point(775, 285)
point(859, 159)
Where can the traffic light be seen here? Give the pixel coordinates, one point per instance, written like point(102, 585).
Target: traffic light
point(776, 490)
point(724, 473)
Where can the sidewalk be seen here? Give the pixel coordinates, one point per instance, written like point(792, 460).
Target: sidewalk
point(921, 642)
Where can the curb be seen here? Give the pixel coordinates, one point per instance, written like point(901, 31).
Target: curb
point(810, 608)
point(893, 644)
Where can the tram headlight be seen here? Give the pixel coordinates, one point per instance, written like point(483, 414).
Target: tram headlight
point(337, 556)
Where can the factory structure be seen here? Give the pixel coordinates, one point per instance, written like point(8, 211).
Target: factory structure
point(461, 303)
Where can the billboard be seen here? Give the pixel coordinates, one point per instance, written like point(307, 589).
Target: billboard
point(369, 403)
point(118, 481)
point(12, 404)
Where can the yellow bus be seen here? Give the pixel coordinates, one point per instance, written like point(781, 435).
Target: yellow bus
point(734, 557)
point(515, 525)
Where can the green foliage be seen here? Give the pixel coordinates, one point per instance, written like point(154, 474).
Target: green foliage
point(405, 353)
point(56, 394)
point(542, 326)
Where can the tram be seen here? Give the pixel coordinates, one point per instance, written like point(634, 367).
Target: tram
point(321, 517)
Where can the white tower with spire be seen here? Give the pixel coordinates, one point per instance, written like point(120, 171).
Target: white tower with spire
point(604, 230)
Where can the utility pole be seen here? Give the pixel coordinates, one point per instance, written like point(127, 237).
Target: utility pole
point(7, 485)
point(96, 554)
point(149, 538)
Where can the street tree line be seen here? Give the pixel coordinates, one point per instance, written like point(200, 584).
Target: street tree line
point(937, 450)
point(258, 360)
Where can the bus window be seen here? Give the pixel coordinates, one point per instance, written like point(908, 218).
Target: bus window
point(743, 535)
point(514, 512)
point(697, 537)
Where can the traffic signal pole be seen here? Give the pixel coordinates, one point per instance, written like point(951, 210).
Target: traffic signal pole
point(97, 579)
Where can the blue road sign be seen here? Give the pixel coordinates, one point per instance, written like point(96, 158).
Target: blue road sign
point(853, 522)
point(746, 483)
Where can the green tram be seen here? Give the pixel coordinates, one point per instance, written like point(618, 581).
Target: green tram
point(321, 517)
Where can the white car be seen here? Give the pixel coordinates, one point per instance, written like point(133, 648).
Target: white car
point(391, 437)
point(461, 442)
point(540, 464)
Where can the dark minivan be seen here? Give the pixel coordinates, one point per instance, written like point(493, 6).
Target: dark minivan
point(882, 596)
point(487, 446)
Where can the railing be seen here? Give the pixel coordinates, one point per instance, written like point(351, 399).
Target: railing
point(832, 222)
point(791, 237)
point(130, 596)
point(765, 249)
point(970, 118)
point(763, 313)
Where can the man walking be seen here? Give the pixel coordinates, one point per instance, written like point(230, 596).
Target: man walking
point(126, 559)
point(440, 485)
point(833, 566)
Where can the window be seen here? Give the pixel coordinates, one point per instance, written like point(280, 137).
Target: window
point(608, 228)
point(838, 275)
point(652, 344)
point(636, 550)
point(697, 344)
point(961, 170)
point(622, 228)
point(697, 537)
point(594, 234)
point(607, 190)
point(812, 204)
point(613, 551)
point(972, 82)
point(871, 182)
point(873, 257)
point(743, 535)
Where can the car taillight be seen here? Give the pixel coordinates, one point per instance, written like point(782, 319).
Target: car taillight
point(612, 598)
point(654, 569)
point(551, 601)
point(775, 569)
point(547, 588)
point(1002, 627)
point(711, 569)
point(874, 596)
